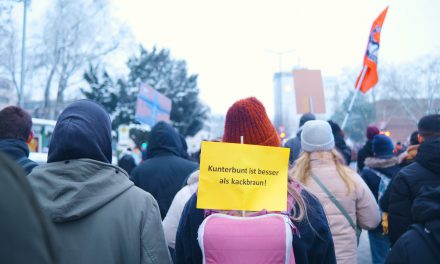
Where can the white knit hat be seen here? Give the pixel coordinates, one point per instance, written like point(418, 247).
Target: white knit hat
point(317, 136)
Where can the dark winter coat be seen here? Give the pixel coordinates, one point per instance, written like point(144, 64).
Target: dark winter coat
point(342, 147)
point(295, 147)
point(18, 150)
point(405, 159)
point(421, 243)
point(26, 235)
point(164, 171)
point(127, 163)
point(365, 152)
point(97, 211)
point(388, 167)
point(311, 246)
point(407, 184)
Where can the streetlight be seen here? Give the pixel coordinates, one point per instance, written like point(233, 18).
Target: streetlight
point(280, 56)
point(278, 105)
point(23, 52)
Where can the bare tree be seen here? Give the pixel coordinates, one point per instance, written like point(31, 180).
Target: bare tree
point(69, 36)
point(9, 53)
point(410, 88)
point(75, 34)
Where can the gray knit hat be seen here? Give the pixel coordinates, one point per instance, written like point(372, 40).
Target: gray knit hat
point(317, 136)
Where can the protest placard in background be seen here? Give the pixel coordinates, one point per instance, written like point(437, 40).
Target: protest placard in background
point(152, 106)
point(309, 91)
point(242, 177)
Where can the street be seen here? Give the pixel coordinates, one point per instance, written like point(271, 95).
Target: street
point(364, 253)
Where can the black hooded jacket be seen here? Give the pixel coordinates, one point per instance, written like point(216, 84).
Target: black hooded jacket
point(18, 151)
point(365, 152)
point(421, 244)
point(342, 147)
point(408, 183)
point(77, 135)
point(164, 171)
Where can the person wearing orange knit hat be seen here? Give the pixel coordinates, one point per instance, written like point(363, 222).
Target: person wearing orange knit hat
point(313, 243)
point(248, 118)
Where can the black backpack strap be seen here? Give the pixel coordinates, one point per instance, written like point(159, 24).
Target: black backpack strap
point(424, 233)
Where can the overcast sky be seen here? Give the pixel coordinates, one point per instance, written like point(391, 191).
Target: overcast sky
point(227, 42)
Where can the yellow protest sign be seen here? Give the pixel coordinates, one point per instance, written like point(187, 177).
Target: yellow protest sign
point(242, 177)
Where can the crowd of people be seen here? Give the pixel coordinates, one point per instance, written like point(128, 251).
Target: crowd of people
point(80, 208)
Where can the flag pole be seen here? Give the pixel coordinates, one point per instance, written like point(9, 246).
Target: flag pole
point(358, 88)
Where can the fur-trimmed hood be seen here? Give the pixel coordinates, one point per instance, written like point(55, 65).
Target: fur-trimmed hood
point(376, 163)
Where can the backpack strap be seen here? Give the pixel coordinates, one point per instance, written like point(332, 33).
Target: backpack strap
point(384, 181)
point(426, 236)
point(382, 176)
point(338, 205)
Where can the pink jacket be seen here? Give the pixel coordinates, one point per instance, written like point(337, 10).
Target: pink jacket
point(360, 204)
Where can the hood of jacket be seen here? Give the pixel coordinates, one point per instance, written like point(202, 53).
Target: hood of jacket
point(164, 139)
point(83, 131)
point(71, 190)
point(376, 163)
point(428, 155)
point(15, 148)
point(426, 210)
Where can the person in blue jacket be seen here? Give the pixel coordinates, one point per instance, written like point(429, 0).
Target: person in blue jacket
point(313, 243)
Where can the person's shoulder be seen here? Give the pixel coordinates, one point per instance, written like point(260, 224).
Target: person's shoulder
point(411, 169)
point(314, 206)
point(410, 173)
point(137, 194)
point(27, 164)
point(144, 166)
point(184, 163)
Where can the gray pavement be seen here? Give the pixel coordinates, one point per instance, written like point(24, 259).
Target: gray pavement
point(364, 253)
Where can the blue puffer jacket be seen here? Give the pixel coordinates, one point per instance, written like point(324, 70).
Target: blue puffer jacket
point(314, 244)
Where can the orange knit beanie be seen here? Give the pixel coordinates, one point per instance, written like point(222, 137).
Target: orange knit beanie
point(248, 118)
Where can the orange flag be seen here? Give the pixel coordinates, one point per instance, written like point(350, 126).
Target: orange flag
point(370, 58)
